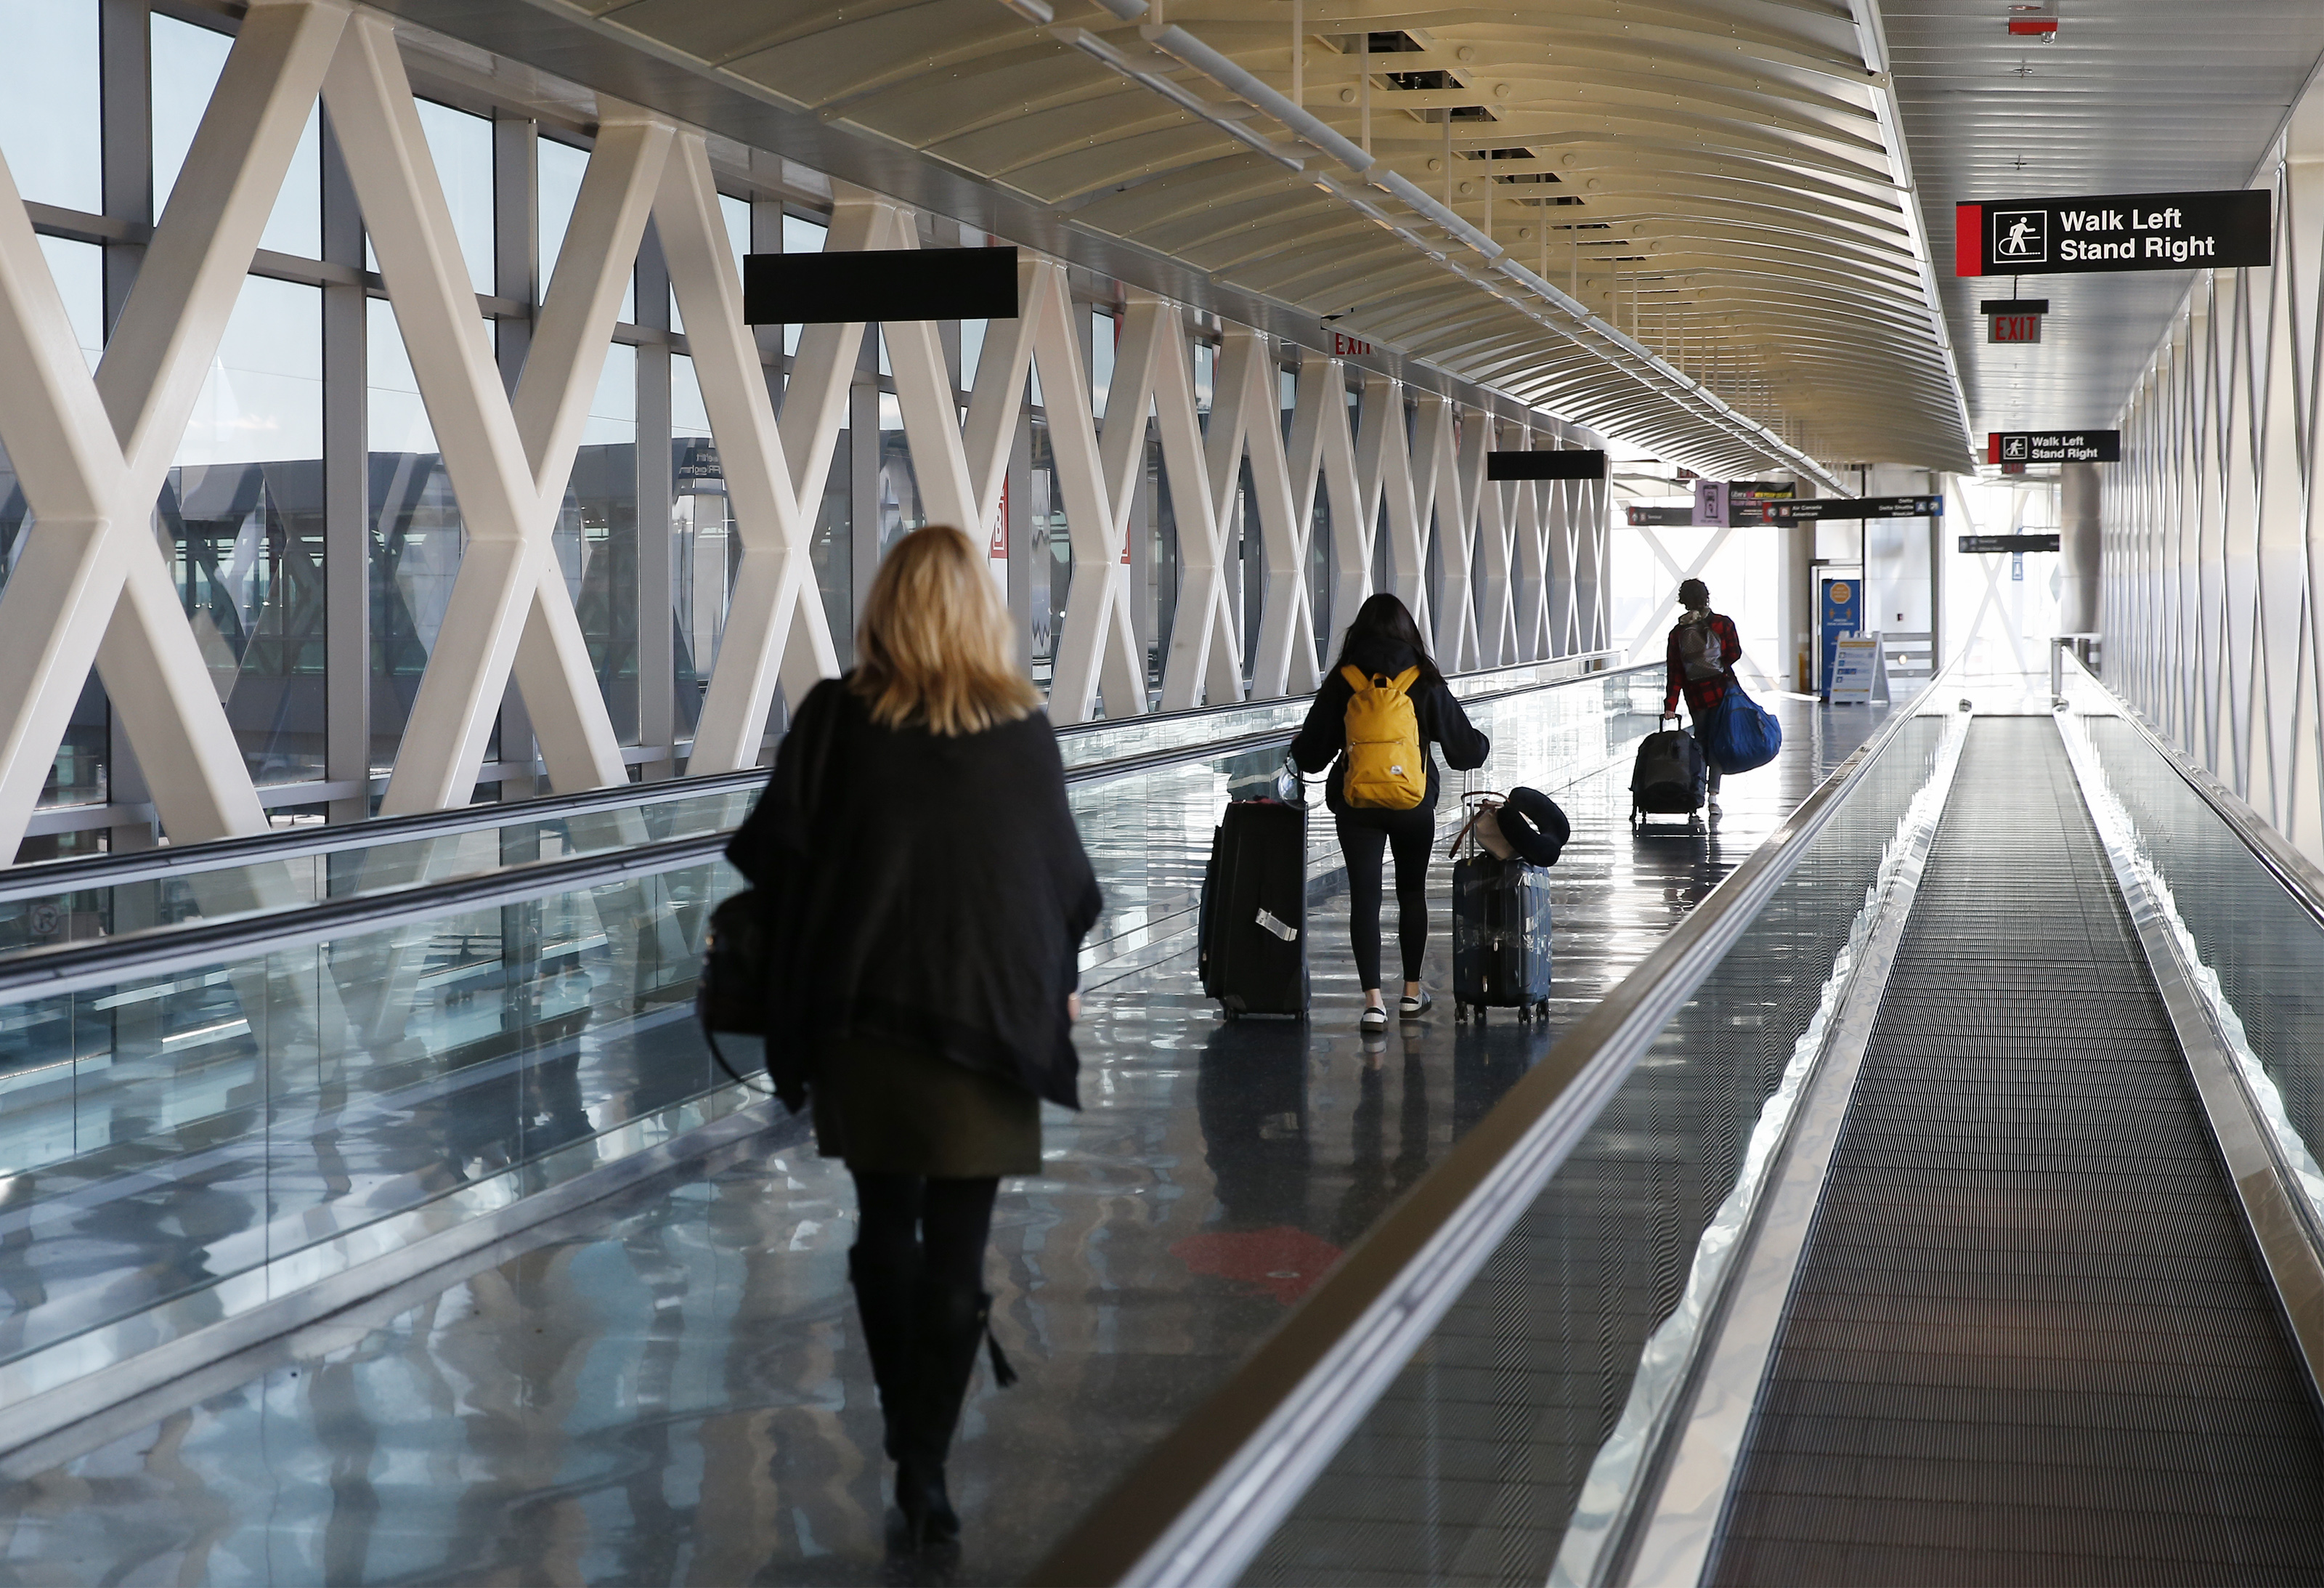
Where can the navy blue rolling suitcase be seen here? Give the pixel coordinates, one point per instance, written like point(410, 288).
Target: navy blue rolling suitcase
point(1500, 937)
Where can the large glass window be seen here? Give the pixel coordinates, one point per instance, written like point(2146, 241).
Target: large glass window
point(242, 513)
point(800, 236)
point(899, 488)
point(736, 215)
point(1105, 334)
point(78, 776)
point(703, 546)
point(1051, 552)
point(833, 550)
point(596, 536)
point(560, 168)
point(50, 103)
point(416, 533)
point(461, 145)
point(187, 62)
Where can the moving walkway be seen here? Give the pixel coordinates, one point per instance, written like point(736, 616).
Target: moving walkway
point(1935, 1203)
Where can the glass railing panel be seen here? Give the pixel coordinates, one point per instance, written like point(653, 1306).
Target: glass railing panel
point(168, 1132)
point(1471, 1467)
point(34, 920)
point(2264, 945)
point(1137, 736)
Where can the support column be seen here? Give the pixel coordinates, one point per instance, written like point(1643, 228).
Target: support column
point(1795, 607)
point(346, 499)
point(2077, 541)
point(125, 47)
point(657, 557)
point(516, 273)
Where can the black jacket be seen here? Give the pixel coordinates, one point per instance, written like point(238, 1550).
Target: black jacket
point(922, 889)
point(1324, 734)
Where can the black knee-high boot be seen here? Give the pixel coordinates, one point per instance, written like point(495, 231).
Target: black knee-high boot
point(948, 1324)
point(886, 1298)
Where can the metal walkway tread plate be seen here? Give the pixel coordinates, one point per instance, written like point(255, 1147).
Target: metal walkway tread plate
point(2029, 1342)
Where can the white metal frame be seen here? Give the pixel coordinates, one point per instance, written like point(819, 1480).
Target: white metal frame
point(2213, 523)
point(90, 587)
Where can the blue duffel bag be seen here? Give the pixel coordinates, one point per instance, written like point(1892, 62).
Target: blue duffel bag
point(1744, 735)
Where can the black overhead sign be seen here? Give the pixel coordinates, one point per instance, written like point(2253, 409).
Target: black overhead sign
point(2053, 447)
point(2009, 542)
point(2129, 231)
point(1549, 465)
point(900, 284)
point(1641, 517)
point(1822, 507)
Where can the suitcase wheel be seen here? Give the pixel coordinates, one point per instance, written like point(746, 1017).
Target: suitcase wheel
point(1480, 1014)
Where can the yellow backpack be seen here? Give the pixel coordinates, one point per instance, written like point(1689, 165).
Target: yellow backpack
point(1388, 766)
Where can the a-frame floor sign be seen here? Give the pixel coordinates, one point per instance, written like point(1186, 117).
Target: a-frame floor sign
point(1860, 672)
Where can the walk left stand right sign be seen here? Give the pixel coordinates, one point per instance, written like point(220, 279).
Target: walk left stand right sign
point(2115, 232)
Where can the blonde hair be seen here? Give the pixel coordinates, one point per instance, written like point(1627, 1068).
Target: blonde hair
point(934, 646)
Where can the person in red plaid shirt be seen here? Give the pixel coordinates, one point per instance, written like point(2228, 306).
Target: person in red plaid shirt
point(1703, 650)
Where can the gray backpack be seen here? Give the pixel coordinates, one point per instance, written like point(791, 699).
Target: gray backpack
point(1700, 652)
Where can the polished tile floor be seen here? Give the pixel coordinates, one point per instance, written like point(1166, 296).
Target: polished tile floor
point(670, 1389)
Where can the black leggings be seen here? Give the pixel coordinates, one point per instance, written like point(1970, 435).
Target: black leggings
point(1363, 837)
point(947, 1219)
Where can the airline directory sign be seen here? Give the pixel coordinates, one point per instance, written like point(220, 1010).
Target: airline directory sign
point(2117, 232)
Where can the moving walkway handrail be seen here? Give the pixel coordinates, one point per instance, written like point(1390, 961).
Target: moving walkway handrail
point(2296, 873)
point(44, 878)
point(1202, 1503)
point(41, 972)
point(65, 967)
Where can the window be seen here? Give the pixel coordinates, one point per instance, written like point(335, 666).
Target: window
point(560, 169)
point(51, 103)
point(736, 213)
point(800, 236)
point(186, 63)
point(243, 509)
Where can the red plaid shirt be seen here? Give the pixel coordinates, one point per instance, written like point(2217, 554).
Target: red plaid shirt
point(1702, 695)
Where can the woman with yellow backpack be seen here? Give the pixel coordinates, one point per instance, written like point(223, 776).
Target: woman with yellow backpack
point(1372, 722)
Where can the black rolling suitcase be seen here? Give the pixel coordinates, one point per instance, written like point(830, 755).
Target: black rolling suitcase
point(1253, 927)
point(1669, 776)
point(1500, 934)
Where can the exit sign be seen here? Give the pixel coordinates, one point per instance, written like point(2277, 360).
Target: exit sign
point(2013, 328)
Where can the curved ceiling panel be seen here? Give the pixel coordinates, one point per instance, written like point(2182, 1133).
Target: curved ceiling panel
point(1712, 181)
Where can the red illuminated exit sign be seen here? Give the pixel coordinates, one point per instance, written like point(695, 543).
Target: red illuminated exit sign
point(2013, 328)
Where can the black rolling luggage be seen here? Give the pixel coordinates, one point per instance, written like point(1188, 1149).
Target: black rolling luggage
point(1669, 775)
point(1253, 927)
point(1501, 934)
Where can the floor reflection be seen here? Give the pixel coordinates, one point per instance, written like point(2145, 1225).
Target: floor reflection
point(668, 1387)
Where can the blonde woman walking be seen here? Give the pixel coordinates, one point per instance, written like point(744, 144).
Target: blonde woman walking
point(926, 895)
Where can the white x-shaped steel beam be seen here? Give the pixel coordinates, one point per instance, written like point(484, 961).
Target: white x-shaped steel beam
point(91, 586)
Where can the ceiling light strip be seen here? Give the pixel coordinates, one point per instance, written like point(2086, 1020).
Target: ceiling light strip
point(1619, 350)
point(1872, 42)
point(1193, 104)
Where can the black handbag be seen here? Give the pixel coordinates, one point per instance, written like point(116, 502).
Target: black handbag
point(747, 953)
point(730, 993)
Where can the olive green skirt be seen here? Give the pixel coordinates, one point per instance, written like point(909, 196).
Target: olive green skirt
point(892, 1109)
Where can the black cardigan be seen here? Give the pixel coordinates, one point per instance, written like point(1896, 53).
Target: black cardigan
point(922, 889)
point(1324, 734)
